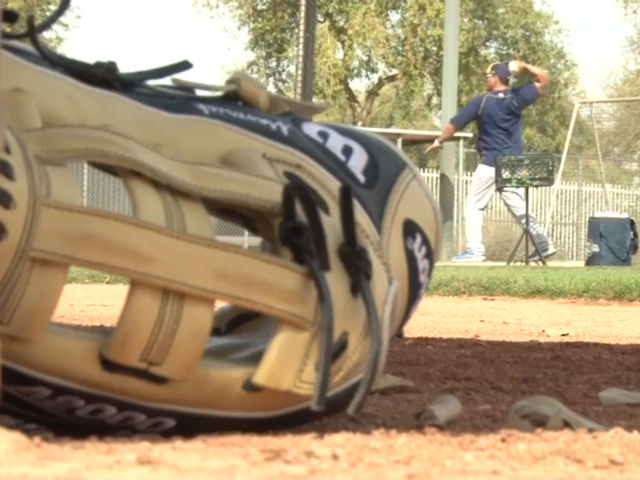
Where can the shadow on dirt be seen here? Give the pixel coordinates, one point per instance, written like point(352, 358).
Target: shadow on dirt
point(489, 376)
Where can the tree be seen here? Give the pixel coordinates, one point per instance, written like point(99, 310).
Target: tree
point(626, 127)
point(41, 10)
point(631, 7)
point(380, 61)
point(628, 83)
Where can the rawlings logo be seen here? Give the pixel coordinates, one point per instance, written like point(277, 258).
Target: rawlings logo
point(347, 150)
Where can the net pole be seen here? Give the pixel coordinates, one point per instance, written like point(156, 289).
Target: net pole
point(306, 49)
point(565, 150)
point(607, 203)
point(449, 102)
point(610, 100)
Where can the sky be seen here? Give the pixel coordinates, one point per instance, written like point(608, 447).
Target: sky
point(140, 34)
point(596, 37)
point(143, 34)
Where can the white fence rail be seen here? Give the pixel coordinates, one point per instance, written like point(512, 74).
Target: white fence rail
point(574, 205)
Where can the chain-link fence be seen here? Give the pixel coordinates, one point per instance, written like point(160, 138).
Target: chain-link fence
point(599, 170)
point(575, 203)
point(107, 192)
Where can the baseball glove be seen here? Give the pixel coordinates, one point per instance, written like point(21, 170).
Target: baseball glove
point(211, 336)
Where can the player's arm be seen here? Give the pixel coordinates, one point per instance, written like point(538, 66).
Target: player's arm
point(540, 76)
point(447, 133)
point(467, 114)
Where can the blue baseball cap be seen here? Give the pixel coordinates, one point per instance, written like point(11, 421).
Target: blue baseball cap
point(501, 70)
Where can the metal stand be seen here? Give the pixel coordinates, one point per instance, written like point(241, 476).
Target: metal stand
point(525, 171)
point(526, 236)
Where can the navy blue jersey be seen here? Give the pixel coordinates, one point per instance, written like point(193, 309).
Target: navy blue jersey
point(497, 114)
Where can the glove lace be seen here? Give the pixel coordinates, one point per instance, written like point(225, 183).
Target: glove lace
point(307, 242)
point(357, 262)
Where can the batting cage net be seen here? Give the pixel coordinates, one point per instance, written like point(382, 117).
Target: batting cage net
point(598, 172)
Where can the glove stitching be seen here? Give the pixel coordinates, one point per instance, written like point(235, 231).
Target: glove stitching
point(15, 291)
point(169, 315)
point(20, 262)
point(168, 325)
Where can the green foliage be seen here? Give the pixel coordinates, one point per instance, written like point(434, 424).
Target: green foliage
point(594, 283)
point(41, 10)
point(628, 82)
point(632, 7)
point(379, 62)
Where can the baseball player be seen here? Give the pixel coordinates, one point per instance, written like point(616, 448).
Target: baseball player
point(497, 113)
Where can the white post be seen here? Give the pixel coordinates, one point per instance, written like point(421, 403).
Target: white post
point(449, 103)
point(556, 185)
point(460, 200)
point(600, 164)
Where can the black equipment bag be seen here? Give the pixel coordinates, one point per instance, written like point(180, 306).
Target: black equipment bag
point(613, 240)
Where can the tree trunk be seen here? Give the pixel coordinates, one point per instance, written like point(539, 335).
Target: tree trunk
point(361, 111)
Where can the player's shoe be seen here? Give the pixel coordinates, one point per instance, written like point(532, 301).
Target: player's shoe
point(469, 256)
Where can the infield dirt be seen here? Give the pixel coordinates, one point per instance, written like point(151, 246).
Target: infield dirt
point(489, 352)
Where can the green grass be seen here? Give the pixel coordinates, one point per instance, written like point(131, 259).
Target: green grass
point(606, 283)
point(85, 275)
point(596, 283)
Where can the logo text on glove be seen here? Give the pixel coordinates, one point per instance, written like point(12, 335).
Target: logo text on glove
point(63, 405)
point(419, 262)
point(347, 150)
point(419, 249)
point(212, 111)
